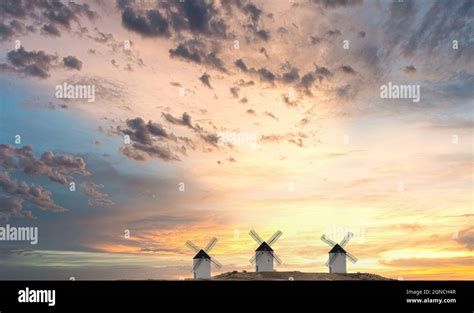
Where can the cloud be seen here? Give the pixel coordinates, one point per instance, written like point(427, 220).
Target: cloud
point(263, 34)
point(143, 132)
point(205, 80)
point(185, 119)
point(72, 62)
point(199, 17)
point(141, 152)
point(153, 25)
point(30, 63)
point(12, 207)
point(466, 237)
point(50, 29)
point(197, 52)
point(409, 70)
point(269, 114)
point(56, 167)
point(235, 92)
point(347, 69)
point(241, 65)
point(334, 4)
point(253, 11)
point(333, 33)
point(147, 136)
point(32, 193)
point(6, 32)
point(96, 197)
point(291, 76)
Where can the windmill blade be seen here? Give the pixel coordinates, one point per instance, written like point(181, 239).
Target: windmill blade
point(277, 259)
point(192, 246)
point(352, 258)
point(216, 263)
point(256, 237)
point(274, 238)
point(328, 241)
point(346, 239)
point(195, 267)
point(254, 258)
point(331, 259)
point(210, 245)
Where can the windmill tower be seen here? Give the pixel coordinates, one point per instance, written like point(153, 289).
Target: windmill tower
point(264, 254)
point(202, 260)
point(337, 254)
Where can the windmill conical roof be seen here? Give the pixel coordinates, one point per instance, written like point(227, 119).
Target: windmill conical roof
point(202, 255)
point(337, 249)
point(264, 247)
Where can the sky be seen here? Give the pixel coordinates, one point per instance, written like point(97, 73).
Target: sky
point(213, 118)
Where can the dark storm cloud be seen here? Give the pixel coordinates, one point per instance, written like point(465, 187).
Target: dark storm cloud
point(72, 62)
point(30, 63)
point(205, 80)
point(32, 193)
point(152, 25)
point(50, 29)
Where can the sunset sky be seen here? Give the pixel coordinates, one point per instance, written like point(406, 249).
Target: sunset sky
point(304, 77)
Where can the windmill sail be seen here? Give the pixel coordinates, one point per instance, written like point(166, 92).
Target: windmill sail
point(210, 245)
point(192, 246)
point(346, 239)
point(277, 259)
point(256, 237)
point(328, 241)
point(274, 238)
point(352, 258)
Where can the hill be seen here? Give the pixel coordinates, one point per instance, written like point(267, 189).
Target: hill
point(296, 276)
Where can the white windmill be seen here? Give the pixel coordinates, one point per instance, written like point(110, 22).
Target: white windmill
point(337, 255)
point(202, 260)
point(264, 254)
